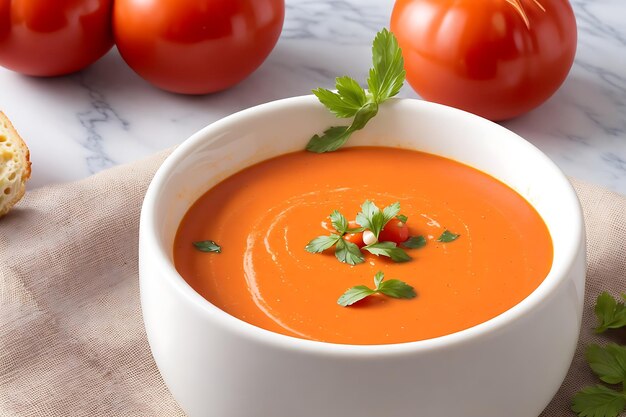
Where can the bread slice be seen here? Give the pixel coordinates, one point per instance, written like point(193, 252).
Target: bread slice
point(14, 165)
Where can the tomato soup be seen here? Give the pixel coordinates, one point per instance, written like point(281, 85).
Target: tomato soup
point(264, 216)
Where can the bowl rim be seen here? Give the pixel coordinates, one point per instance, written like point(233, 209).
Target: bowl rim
point(151, 243)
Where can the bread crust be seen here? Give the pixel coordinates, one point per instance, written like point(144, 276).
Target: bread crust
point(15, 164)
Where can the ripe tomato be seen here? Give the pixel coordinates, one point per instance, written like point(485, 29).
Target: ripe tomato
point(394, 231)
point(356, 238)
point(47, 38)
point(495, 58)
point(196, 46)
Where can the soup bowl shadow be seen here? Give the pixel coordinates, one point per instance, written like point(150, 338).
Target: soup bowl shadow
point(217, 365)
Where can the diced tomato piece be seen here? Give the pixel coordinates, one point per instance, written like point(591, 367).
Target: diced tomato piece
point(356, 238)
point(394, 231)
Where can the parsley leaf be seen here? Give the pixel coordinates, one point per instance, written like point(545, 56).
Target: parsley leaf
point(387, 75)
point(397, 289)
point(610, 313)
point(598, 401)
point(348, 252)
point(335, 103)
point(447, 236)
point(389, 249)
point(332, 139)
point(392, 288)
point(414, 242)
point(345, 251)
point(208, 246)
point(350, 97)
point(321, 243)
point(385, 80)
point(354, 294)
point(378, 278)
point(609, 363)
point(372, 218)
point(391, 211)
point(402, 218)
point(339, 222)
point(363, 116)
point(351, 93)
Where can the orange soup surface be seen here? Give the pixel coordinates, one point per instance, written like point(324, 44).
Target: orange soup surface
point(264, 216)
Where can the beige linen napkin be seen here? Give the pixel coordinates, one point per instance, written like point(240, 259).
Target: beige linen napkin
point(72, 341)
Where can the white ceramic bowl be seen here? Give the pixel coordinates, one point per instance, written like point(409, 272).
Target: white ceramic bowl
point(217, 365)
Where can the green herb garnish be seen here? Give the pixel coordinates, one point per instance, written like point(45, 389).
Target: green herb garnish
point(372, 218)
point(598, 401)
point(351, 100)
point(609, 364)
point(447, 236)
point(389, 249)
point(321, 243)
point(414, 242)
point(611, 314)
point(402, 218)
point(393, 288)
point(346, 252)
point(208, 246)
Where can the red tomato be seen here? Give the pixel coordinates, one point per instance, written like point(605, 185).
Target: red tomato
point(494, 58)
point(394, 231)
point(47, 38)
point(196, 46)
point(356, 238)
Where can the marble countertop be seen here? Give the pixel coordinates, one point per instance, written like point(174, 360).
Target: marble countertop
point(106, 115)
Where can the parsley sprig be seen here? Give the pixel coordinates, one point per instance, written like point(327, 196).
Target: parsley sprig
point(346, 252)
point(598, 401)
point(447, 237)
point(608, 363)
point(207, 246)
point(386, 77)
point(392, 288)
point(611, 314)
point(369, 218)
point(414, 242)
point(374, 219)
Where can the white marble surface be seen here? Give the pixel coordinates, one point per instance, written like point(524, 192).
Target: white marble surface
point(106, 115)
